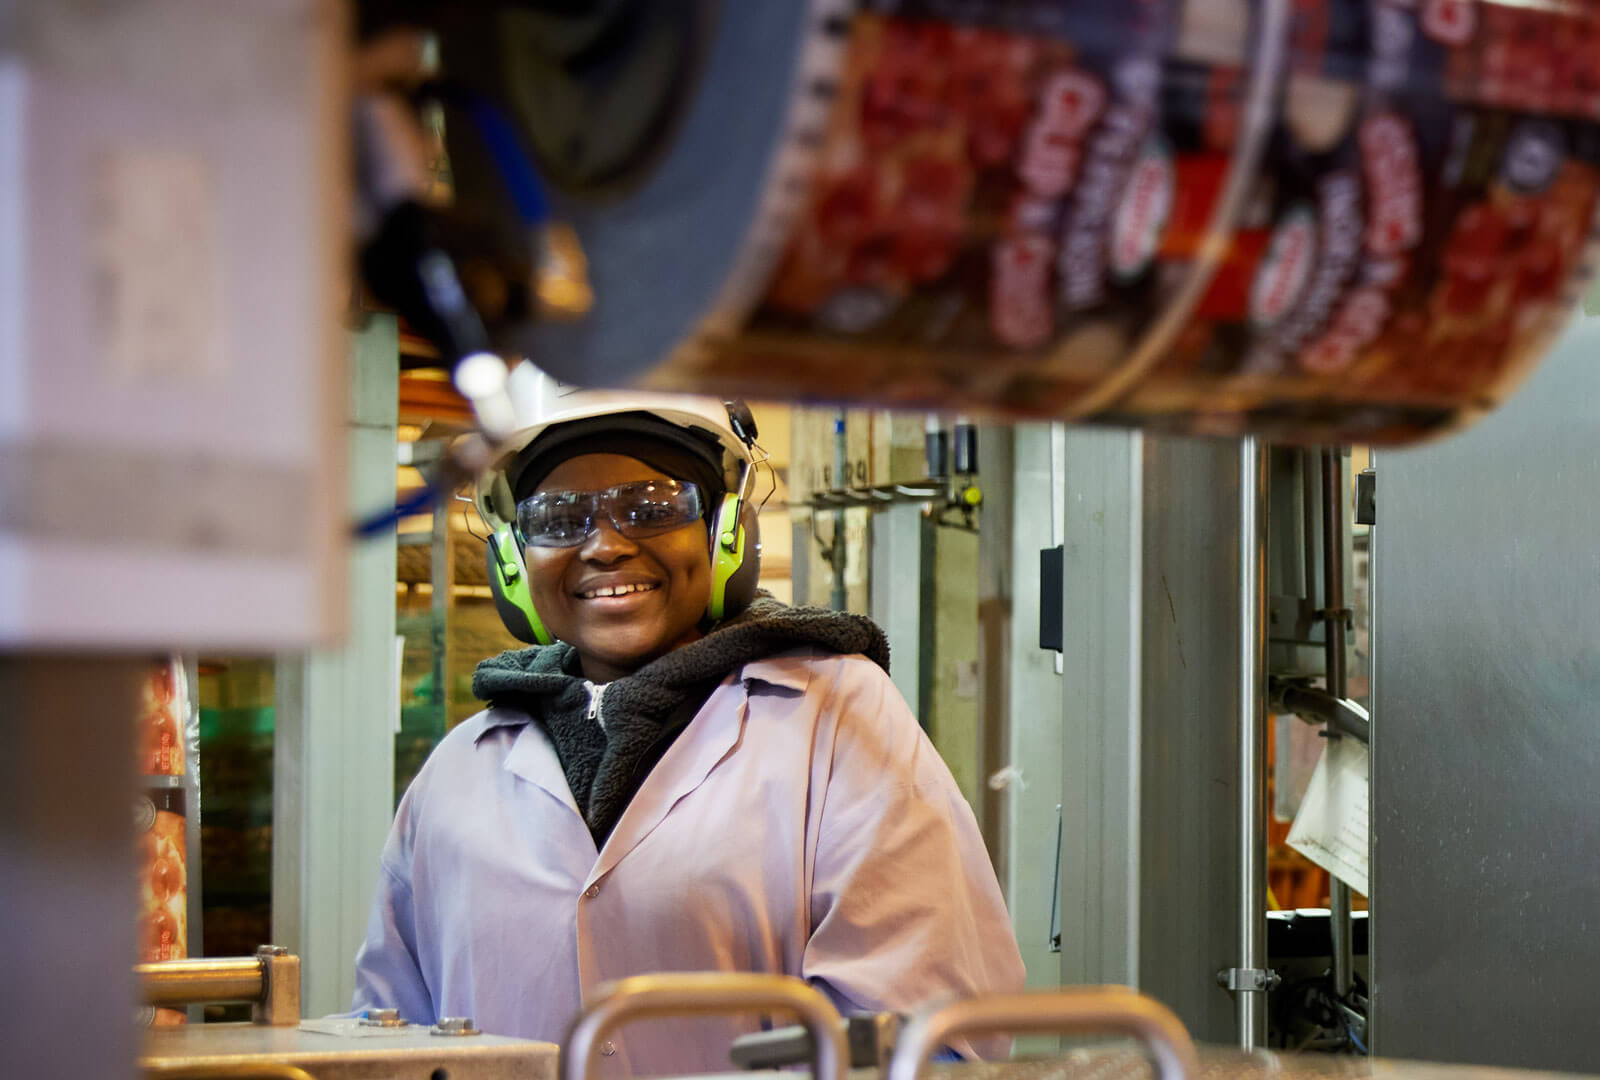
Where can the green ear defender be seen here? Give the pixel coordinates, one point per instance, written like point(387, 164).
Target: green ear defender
point(508, 581)
point(508, 570)
point(729, 547)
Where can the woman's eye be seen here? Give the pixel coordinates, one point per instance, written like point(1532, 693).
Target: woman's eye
point(564, 524)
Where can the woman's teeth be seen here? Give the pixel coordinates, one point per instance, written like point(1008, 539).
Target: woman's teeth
point(614, 590)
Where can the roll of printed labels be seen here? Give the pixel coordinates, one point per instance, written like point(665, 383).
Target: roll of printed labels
point(1313, 220)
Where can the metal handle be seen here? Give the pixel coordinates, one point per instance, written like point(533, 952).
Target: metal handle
point(260, 1070)
point(690, 994)
point(1095, 1009)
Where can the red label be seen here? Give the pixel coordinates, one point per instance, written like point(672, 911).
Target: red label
point(1020, 314)
point(1360, 318)
point(1450, 22)
point(1143, 213)
point(1394, 185)
point(1287, 266)
point(1068, 106)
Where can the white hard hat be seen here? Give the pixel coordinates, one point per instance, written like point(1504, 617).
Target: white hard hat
point(542, 403)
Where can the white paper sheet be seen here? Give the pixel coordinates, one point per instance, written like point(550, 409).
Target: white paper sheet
point(1332, 827)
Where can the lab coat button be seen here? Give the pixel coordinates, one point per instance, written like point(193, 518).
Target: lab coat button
point(591, 892)
point(607, 1049)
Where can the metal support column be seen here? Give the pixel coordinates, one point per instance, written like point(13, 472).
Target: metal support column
point(337, 712)
point(838, 598)
point(1336, 616)
point(67, 790)
point(1251, 995)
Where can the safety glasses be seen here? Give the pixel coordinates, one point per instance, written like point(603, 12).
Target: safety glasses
point(562, 519)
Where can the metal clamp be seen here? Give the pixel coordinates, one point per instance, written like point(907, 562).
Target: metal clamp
point(643, 996)
point(871, 1037)
point(1248, 980)
point(1099, 1009)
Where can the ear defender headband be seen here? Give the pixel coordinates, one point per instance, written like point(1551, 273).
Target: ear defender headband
point(735, 554)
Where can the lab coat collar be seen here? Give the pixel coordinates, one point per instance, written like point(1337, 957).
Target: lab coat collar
point(684, 767)
point(532, 756)
point(785, 671)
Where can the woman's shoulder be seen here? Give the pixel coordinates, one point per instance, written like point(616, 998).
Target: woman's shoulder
point(481, 741)
point(810, 669)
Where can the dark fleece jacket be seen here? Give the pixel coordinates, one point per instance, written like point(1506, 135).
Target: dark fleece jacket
point(643, 712)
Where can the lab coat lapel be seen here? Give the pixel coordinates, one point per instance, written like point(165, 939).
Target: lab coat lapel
point(710, 737)
point(533, 758)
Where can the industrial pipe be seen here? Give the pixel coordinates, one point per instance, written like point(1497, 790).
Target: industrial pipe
point(1251, 980)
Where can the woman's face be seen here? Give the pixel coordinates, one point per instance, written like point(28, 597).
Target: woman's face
point(671, 573)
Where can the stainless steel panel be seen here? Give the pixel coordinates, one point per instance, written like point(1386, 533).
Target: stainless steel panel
point(1190, 706)
point(355, 1054)
point(897, 584)
point(1098, 474)
point(1151, 719)
point(1035, 728)
point(1486, 732)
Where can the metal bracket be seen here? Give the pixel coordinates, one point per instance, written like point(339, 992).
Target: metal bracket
point(280, 987)
point(1367, 497)
point(1248, 980)
point(1317, 706)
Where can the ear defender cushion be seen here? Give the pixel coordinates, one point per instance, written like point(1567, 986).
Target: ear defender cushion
point(735, 559)
point(500, 499)
point(508, 580)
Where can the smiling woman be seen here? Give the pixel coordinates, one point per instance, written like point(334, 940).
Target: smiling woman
point(622, 594)
point(681, 774)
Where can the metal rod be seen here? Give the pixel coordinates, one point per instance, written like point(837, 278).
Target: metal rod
point(183, 982)
point(1089, 1010)
point(1310, 515)
point(1252, 839)
point(838, 599)
point(1333, 509)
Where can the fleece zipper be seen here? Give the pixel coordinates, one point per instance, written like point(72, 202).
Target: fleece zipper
point(596, 692)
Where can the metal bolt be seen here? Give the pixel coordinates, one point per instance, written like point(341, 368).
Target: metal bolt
point(382, 1018)
point(592, 891)
point(455, 1025)
point(607, 1048)
point(272, 950)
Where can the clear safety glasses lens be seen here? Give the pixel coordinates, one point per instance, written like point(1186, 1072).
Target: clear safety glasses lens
point(646, 508)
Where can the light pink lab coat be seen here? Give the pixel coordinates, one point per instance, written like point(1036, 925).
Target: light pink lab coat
point(802, 824)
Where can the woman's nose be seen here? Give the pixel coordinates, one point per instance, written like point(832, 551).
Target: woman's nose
point(605, 544)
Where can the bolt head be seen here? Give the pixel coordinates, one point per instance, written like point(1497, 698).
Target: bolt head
point(455, 1025)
